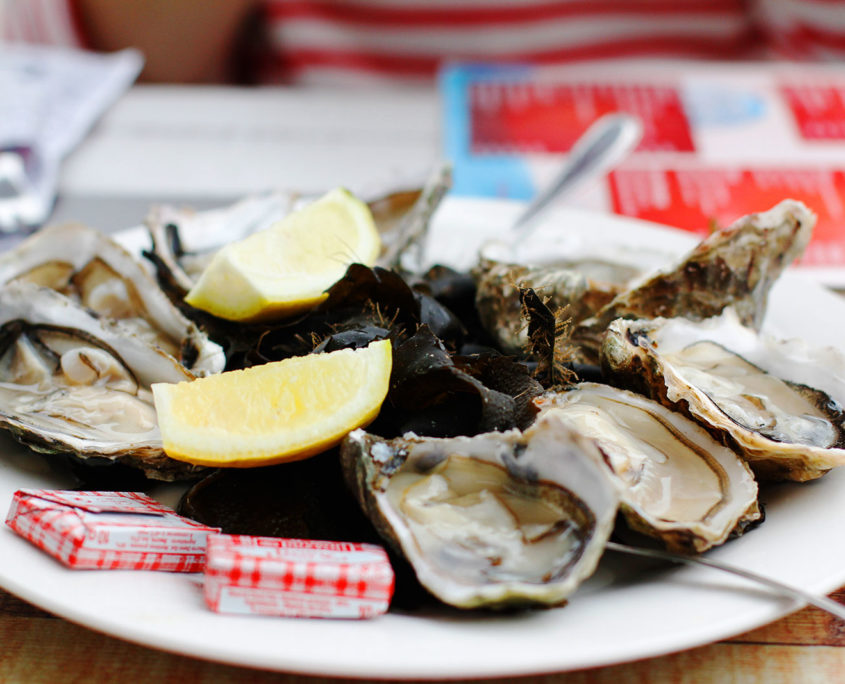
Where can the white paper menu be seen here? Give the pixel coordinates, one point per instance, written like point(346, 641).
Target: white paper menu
point(49, 99)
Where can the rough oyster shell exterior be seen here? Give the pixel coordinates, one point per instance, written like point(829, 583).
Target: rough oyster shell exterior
point(500, 309)
point(735, 266)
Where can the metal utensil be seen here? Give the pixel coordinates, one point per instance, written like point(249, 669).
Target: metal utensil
point(602, 146)
point(822, 602)
point(27, 188)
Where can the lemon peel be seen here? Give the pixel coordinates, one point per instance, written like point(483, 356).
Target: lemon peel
point(286, 269)
point(281, 411)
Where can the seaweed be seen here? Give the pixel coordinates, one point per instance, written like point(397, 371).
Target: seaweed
point(437, 394)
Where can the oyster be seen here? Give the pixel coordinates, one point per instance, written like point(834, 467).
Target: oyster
point(677, 482)
point(498, 519)
point(405, 248)
point(74, 383)
point(779, 402)
point(735, 266)
point(579, 283)
point(184, 241)
point(99, 274)
point(499, 304)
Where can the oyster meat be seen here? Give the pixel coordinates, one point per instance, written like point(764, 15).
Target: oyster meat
point(497, 519)
point(779, 401)
point(74, 383)
point(678, 483)
point(735, 266)
point(99, 274)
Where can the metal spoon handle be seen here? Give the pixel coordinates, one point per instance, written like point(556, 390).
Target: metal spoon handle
point(822, 602)
point(606, 142)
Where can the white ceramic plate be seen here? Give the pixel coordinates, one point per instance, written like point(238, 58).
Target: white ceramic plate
point(627, 611)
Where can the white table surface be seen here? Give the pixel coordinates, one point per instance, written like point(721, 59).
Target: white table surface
point(171, 143)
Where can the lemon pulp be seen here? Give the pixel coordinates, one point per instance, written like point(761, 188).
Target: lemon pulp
point(287, 268)
point(281, 411)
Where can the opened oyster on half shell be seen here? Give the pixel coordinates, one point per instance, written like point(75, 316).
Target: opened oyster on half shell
point(73, 383)
point(499, 519)
point(98, 274)
point(780, 402)
point(677, 482)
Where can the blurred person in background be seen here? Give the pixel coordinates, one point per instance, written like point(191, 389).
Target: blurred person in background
point(350, 42)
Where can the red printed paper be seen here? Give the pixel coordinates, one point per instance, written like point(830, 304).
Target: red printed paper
point(818, 111)
point(108, 530)
point(701, 198)
point(297, 577)
point(538, 117)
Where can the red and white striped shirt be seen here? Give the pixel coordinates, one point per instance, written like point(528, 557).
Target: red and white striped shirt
point(327, 40)
point(48, 22)
point(803, 29)
point(354, 41)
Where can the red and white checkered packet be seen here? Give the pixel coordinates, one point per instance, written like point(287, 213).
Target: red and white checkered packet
point(109, 530)
point(296, 577)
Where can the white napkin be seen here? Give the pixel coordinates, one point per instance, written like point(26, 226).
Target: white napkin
point(50, 98)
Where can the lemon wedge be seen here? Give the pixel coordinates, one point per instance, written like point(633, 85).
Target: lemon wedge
point(281, 411)
point(287, 268)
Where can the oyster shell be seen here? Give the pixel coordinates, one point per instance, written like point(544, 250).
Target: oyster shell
point(678, 483)
point(184, 241)
point(405, 247)
point(579, 281)
point(74, 383)
point(99, 274)
point(500, 308)
point(497, 519)
point(780, 402)
point(735, 266)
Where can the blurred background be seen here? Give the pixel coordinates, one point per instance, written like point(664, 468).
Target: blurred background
point(741, 101)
